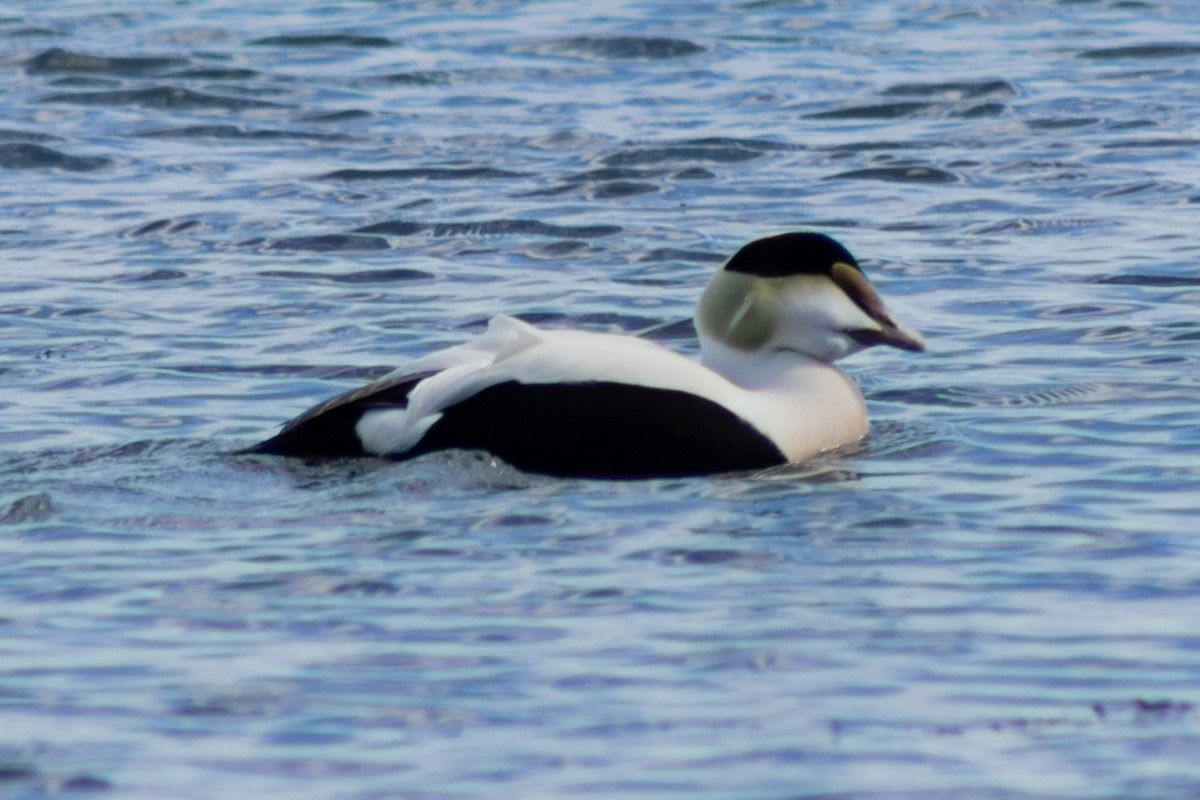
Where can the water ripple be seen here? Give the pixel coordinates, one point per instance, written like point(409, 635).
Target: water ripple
point(217, 215)
point(36, 156)
point(1144, 51)
point(636, 48)
point(493, 227)
point(58, 60)
point(160, 97)
point(419, 173)
point(900, 174)
point(321, 40)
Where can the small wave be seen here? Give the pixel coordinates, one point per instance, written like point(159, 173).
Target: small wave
point(674, 330)
point(166, 226)
point(672, 254)
point(323, 243)
point(1191, 336)
point(346, 115)
point(617, 48)
point(903, 174)
point(964, 397)
point(695, 151)
point(613, 189)
point(1035, 226)
point(954, 90)
point(155, 275)
point(557, 250)
point(607, 182)
point(908, 439)
point(324, 373)
point(1149, 279)
point(597, 320)
point(1153, 50)
point(1139, 144)
point(419, 173)
point(897, 110)
point(323, 40)
point(692, 556)
point(491, 227)
point(31, 508)
point(239, 132)
point(58, 60)
point(21, 155)
point(9, 135)
point(867, 147)
point(978, 110)
point(415, 78)
point(1139, 187)
point(1137, 712)
point(944, 396)
point(84, 82)
point(613, 174)
point(216, 74)
point(363, 276)
point(160, 97)
point(1060, 123)
point(1086, 310)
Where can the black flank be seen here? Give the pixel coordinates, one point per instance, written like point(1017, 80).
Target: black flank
point(601, 430)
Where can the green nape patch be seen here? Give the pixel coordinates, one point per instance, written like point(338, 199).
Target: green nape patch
point(739, 309)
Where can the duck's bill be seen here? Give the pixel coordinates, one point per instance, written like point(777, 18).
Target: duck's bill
point(891, 336)
point(903, 339)
point(856, 286)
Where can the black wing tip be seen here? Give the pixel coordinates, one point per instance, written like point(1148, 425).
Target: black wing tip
point(330, 428)
point(327, 436)
point(268, 447)
point(292, 451)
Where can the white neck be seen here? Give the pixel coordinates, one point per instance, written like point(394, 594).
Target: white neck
point(805, 404)
point(759, 369)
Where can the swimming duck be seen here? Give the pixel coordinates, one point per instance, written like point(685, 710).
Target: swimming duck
point(573, 403)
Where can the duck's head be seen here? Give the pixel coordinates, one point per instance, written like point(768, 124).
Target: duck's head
point(798, 292)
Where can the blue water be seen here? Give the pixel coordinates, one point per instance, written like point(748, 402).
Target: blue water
point(216, 214)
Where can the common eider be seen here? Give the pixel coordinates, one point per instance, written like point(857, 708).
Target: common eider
point(764, 392)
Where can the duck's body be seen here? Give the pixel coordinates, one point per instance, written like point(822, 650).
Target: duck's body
point(593, 404)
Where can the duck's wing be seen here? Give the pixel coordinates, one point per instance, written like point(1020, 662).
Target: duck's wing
point(331, 428)
point(558, 402)
point(577, 403)
point(328, 429)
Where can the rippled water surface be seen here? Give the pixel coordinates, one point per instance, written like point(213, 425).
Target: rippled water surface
point(216, 214)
